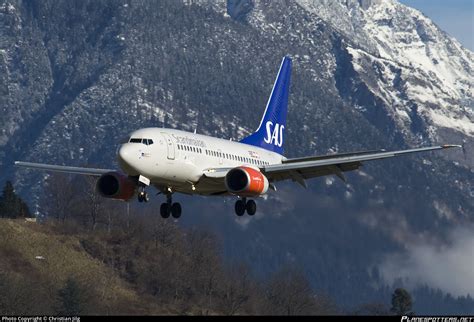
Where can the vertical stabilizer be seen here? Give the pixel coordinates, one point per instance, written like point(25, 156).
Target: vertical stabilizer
point(270, 132)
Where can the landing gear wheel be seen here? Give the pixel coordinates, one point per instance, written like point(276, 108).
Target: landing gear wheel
point(176, 210)
point(165, 210)
point(239, 207)
point(143, 196)
point(251, 207)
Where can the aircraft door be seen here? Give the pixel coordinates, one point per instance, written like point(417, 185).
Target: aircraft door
point(219, 153)
point(169, 146)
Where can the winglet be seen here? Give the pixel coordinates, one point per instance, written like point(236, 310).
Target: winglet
point(448, 146)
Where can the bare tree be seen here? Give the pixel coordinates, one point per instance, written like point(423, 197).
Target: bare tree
point(58, 198)
point(237, 290)
point(205, 267)
point(88, 204)
point(373, 308)
point(288, 292)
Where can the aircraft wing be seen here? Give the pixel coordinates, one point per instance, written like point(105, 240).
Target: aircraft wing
point(305, 168)
point(61, 168)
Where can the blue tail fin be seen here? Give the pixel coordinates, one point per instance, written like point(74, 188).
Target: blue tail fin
point(269, 134)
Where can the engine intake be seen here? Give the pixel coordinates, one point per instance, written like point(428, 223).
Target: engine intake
point(116, 185)
point(246, 181)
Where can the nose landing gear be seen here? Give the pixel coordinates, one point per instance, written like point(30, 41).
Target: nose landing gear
point(243, 205)
point(143, 182)
point(143, 195)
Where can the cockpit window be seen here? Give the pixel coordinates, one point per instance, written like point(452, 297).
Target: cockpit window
point(144, 141)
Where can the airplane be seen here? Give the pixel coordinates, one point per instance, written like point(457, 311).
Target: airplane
point(175, 161)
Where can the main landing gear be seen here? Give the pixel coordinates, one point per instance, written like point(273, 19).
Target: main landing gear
point(169, 208)
point(243, 205)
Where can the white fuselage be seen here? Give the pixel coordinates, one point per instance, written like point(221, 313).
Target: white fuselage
point(178, 159)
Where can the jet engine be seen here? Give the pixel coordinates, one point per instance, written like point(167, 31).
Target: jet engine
point(246, 181)
point(116, 185)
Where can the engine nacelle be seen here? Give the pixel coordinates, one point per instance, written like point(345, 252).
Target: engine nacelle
point(116, 185)
point(246, 181)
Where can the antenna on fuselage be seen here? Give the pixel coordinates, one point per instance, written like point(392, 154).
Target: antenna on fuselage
point(197, 123)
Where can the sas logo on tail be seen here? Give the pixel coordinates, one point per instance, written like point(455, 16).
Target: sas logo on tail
point(274, 134)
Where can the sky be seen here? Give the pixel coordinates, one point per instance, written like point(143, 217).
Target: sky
point(456, 17)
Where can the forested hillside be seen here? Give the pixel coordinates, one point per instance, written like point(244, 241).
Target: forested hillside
point(135, 263)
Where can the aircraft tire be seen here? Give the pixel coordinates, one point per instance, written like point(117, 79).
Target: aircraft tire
point(239, 208)
point(176, 210)
point(165, 210)
point(251, 207)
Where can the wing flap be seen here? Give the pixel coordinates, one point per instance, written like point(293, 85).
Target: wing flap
point(61, 168)
point(331, 156)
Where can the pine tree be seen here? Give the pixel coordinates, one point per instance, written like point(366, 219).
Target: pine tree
point(11, 206)
point(70, 298)
point(401, 302)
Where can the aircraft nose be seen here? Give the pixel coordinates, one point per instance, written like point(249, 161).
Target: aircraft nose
point(124, 153)
point(127, 158)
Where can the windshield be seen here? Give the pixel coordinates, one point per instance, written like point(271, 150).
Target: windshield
point(144, 141)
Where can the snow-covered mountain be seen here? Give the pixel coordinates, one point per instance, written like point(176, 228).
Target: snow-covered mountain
point(421, 71)
point(76, 77)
